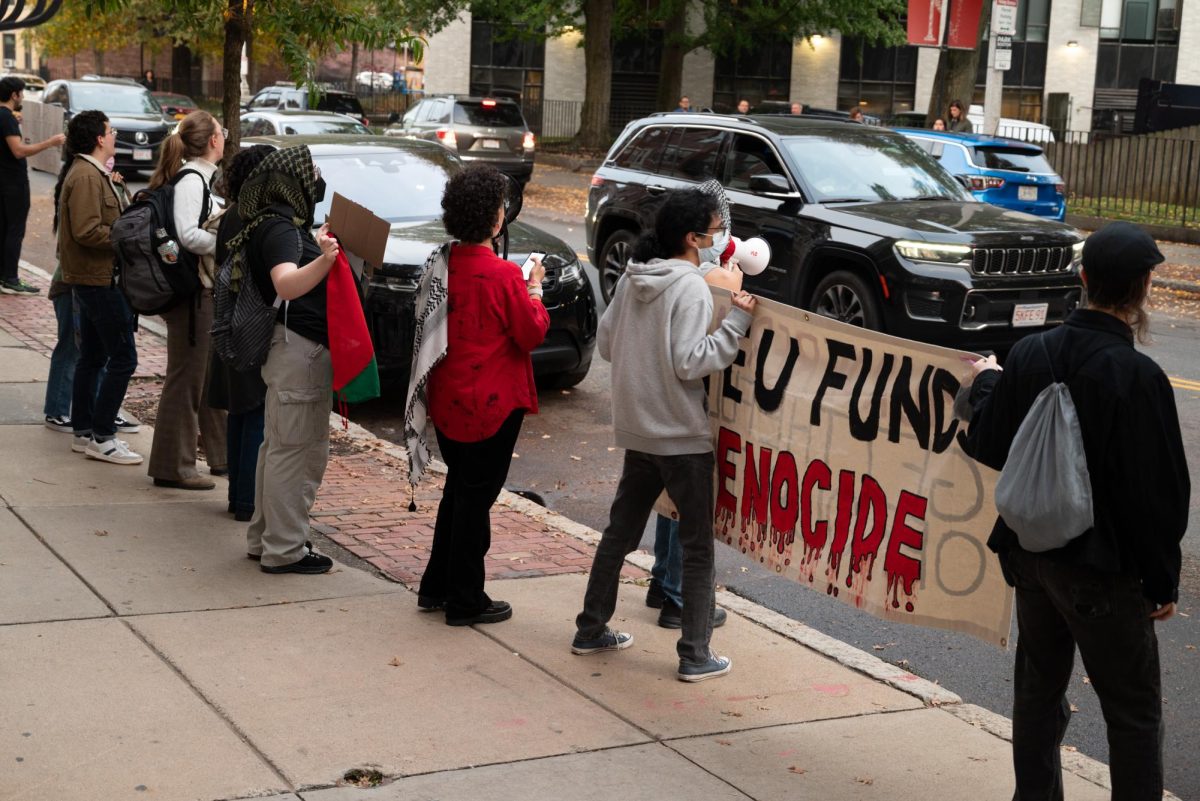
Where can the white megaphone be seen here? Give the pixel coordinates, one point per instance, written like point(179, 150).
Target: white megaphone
point(753, 255)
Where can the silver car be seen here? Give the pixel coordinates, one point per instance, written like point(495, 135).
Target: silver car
point(270, 122)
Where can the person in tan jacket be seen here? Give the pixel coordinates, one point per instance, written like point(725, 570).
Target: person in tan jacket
point(86, 205)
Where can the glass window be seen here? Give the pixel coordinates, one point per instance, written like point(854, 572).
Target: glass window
point(506, 61)
point(330, 126)
point(882, 83)
point(371, 180)
point(497, 115)
point(1013, 159)
point(861, 165)
point(764, 73)
point(692, 153)
point(114, 99)
point(750, 156)
point(644, 152)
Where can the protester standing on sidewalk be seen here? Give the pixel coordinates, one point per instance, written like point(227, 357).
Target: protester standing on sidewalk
point(240, 394)
point(14, 185)
point(276, 204)
point(655, 334)
point(479, 391)
point(189, 157)
point(86, 205)
point(1105, 590)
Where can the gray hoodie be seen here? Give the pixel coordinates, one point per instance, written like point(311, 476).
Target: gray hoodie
point(655, 333)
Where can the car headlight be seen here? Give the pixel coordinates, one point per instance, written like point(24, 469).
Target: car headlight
point(572, 273)
point(935, 253)
point(1076, 256)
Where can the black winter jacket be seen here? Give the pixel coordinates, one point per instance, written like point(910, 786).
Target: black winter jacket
point(1130, 428)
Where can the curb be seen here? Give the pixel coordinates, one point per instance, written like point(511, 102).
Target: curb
point(1175, 285)
point(572, 163)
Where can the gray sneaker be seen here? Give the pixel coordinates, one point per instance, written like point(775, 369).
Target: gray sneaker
point(114, 451)
point(608, 641)
point(79, 444)
point(711, 668)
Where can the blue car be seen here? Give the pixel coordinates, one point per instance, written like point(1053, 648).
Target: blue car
point(1004, 172)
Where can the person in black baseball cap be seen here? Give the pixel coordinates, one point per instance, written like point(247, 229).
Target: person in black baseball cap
point(1108, 589)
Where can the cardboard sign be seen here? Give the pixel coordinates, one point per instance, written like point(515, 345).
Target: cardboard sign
point(839, 464)
point(361, 233)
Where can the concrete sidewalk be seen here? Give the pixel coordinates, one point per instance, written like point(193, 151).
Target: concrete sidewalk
point(143, 656)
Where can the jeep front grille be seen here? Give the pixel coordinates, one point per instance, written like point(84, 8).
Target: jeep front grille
point(1021, 261)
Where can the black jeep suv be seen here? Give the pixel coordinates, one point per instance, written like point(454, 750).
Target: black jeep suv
point(863, 225)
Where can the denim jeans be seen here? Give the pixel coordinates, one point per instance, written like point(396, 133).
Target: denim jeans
point(243, 436)
point(1059, 606)
point(105, 343)
point(62, 360)
point(688, 479)
point(14, 211)
point(668, 559)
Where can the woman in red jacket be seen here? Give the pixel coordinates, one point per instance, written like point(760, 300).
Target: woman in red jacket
point(479, 393)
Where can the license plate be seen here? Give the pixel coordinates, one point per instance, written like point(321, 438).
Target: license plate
point(1029, 314)
point(1027, 193)
point(142, 154)
point(493, 144)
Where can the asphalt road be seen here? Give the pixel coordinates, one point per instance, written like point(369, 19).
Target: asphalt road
point(566, 455)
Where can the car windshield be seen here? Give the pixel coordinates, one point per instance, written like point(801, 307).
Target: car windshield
point(860, 166)
point(175, 100)
point(341, 103)
point(1012, 158)
point(113, 99)
point(500, 115)
point(304, 127)
point(398, 186)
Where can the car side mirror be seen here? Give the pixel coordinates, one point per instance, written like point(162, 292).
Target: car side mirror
point(393, 118)
point(515, 199)
point(770, 185)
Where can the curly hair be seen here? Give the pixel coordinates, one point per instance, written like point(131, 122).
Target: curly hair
point(82, 132)
point(471, 202)
point(683, 212)
point(240, 168)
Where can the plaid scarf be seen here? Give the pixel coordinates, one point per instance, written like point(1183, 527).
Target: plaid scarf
point(285, 178)
point(430, 343)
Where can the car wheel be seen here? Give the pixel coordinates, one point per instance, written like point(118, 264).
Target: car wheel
point(844, 296)
point(613, 257)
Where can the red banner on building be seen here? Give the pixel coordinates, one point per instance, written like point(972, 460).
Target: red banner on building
point(925, 22)
point(964, 24)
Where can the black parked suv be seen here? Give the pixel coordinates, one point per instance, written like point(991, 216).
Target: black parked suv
point(864, 226)
point(131, 110)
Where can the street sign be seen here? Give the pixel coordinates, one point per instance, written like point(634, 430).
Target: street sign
point(963, 30)
point(1003, 60)
point(1004, 17)
point(925, 22)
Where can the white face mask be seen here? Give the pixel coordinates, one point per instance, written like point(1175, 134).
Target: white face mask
point(712, 254)
point(108, 165)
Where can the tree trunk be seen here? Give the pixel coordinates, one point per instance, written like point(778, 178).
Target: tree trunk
point(597, 53)
point(251, 62)
point(353, 83)
point(231, 76)
point(670, 71)
point(955, 78)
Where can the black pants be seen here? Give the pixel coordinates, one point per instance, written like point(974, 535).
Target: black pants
point(1060, 606)
point(463, 531)
point(688, 480)
point(106, 344)
point(14, 211)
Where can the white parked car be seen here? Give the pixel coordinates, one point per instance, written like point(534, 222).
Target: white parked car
point(1013, 129)
point(374, 80)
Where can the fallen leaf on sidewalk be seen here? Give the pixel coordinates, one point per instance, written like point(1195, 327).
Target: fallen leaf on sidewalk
point(545, 436)
point(732, 714)
point(882, 646)
point(1086, 680)
point(100, 532)
point(1070, 748)
point(610, 450)
point(395, 662)
point(1074, 708)
point(864, 780)
point(724, 742)
point(1190, 647)
point(799, 771)
point(576, 458)
point(977, 759)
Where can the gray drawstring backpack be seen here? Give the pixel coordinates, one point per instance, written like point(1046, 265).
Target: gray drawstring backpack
point(1045, 492)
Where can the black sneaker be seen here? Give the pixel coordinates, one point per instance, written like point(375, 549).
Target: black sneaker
point(671, 616)
point(126, 426)
point(311, 564)
point(654, 595)
point(18, 287)
point(59, 423)
point(258, 556)
point(496, 612)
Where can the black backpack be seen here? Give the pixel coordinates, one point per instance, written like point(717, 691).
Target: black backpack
point(243, 322)
point(154, 271)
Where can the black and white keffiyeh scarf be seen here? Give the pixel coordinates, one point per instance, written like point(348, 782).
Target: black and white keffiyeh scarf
point(430, 342)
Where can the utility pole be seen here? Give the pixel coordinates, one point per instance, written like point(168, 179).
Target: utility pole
point(999, 59)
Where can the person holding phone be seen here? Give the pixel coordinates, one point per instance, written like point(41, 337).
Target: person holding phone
point(479, 393)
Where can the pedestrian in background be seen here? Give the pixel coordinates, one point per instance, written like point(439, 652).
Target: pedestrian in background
point(655, 333)
point(277, 203)
point(479, 392)
point(148, 80)
point(743, 106)
point(939, 124)
point(14, 185)
point(797, 108)
point(958, 122)
point(856, 114)
point(241, 394)
point(189, 158)
point(86, 205)
point(1104, 590)
point(684, 104)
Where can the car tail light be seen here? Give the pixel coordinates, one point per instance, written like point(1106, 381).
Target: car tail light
point(527, 142)
point(366, 122)
point(981, 182)
point(446, 137)
point(597, 180)
point(488, 103)
point(1060, 189)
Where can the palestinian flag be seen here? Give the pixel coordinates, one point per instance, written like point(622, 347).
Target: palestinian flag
point(355, 373)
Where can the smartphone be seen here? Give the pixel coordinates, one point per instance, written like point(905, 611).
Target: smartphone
point(527, 267)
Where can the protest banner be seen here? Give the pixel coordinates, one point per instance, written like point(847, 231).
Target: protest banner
point(840, 465)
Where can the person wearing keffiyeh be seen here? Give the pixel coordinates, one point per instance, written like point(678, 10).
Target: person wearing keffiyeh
point(277, 251)
point(478, 320)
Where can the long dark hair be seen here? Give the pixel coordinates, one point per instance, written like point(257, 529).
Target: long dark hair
point(82, 132)
point(683, 212)
point(1121, 293)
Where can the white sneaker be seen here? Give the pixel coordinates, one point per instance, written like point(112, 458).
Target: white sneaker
point(114, 450)
point(79, 444)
